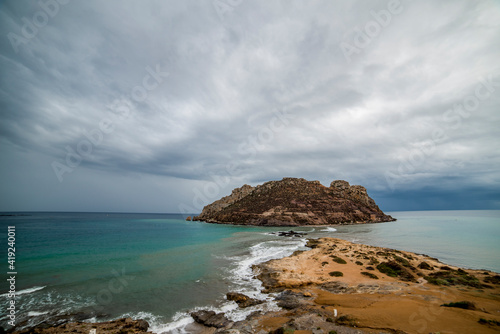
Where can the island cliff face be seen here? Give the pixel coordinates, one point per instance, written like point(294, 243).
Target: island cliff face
point(295, 202)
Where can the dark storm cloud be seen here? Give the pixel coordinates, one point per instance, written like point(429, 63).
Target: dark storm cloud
point(397, 96)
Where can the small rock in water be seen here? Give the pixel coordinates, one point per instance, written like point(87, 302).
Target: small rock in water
point(290, 234)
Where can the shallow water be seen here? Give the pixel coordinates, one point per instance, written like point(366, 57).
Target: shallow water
point(469, 239)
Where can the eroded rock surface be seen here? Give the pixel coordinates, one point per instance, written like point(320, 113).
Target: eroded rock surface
point(210, 318)
point(242, 300)
point(295, 202)
point(125, 325)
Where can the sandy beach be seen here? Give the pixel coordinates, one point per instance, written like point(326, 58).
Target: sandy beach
point(341, 283)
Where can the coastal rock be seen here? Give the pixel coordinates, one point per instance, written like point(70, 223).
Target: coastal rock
point(242, 300)
point(289, 234)
point(268, 277)
point(289, 300)
point(337, 287)
point(188, 218)
point(355, 303)
point(142, 325)
point(202, 316)
point(236, 195)
point(124, 325)
point(210, 318)
point(294, 202)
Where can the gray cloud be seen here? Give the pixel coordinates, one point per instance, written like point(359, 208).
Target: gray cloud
point(258, 92)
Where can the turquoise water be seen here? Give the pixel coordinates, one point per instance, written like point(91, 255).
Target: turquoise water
point(159, 267)
point(469, 239)
point(104, 266)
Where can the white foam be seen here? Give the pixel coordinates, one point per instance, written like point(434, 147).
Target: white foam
point(25, 291)
point(36, 314)
point(242, 276)
point(156, 325)
point(91, 320)
point(30, 290)
point(175, 327)
point(329, 229)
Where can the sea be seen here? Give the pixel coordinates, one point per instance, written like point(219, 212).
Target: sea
point(160, 267)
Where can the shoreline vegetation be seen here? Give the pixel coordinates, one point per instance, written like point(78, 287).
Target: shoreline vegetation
point(342, 287)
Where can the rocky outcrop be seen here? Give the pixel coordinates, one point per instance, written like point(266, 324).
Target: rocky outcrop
point(125, 325)
point(295, 202)
point(289, 234)
point(290, 300)
point(210, 318)
point(219, 205)
point(242, 300)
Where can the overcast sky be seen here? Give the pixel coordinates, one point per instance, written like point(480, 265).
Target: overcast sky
point(165, 106)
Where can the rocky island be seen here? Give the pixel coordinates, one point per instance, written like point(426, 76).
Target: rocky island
point(295, 202)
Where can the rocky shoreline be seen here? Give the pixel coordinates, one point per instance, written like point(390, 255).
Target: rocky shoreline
point(121, 326)
point(378, 290)
point(342, 287)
